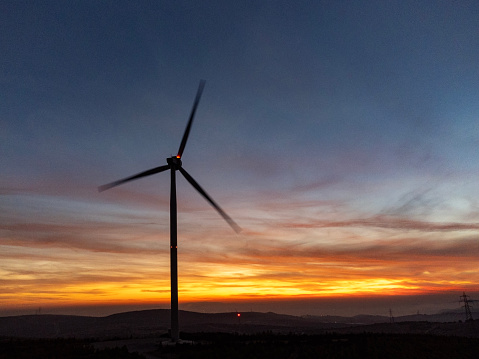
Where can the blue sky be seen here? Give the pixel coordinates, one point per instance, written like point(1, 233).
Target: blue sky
point(338, 127)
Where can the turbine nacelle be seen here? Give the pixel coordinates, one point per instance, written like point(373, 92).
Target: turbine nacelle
point(174, 162)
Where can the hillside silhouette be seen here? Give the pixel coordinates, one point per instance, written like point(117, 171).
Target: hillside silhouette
point(154, 323)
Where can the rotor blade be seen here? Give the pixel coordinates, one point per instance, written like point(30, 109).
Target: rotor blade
point(227, 218)
point(139, 175)
point(192, 115)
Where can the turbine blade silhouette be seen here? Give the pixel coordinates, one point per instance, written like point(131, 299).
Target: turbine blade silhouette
point(134, 177)
point(195, 184)
point(192, 115)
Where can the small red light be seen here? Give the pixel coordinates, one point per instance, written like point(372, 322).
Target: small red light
point(239, 315)
point(178, 156)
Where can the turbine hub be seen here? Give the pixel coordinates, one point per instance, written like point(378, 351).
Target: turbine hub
point(174, 162)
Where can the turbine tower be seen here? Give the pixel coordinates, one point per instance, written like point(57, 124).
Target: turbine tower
point(174, 164)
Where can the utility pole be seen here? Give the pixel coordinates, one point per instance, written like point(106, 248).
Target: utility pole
point(391, 318)
point(467, 306)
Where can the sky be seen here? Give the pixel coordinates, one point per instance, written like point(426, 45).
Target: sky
point(341, 136)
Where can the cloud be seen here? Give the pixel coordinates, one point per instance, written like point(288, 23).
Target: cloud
point(93, 237)
point(390, 223)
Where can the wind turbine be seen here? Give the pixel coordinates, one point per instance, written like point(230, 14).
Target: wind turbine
point(174, 164)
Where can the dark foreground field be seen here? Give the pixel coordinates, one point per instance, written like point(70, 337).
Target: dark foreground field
point(264, 346)
point(60, 348)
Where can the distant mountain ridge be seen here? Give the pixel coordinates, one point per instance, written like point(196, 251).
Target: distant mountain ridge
point(154, 323)
point(441, 317)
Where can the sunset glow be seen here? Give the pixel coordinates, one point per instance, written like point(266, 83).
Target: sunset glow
point(134, 267)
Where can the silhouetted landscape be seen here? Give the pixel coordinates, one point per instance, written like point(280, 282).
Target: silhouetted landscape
point(154, 323)
point(224, 335)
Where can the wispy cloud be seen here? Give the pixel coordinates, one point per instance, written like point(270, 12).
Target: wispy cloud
point(391, 223)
